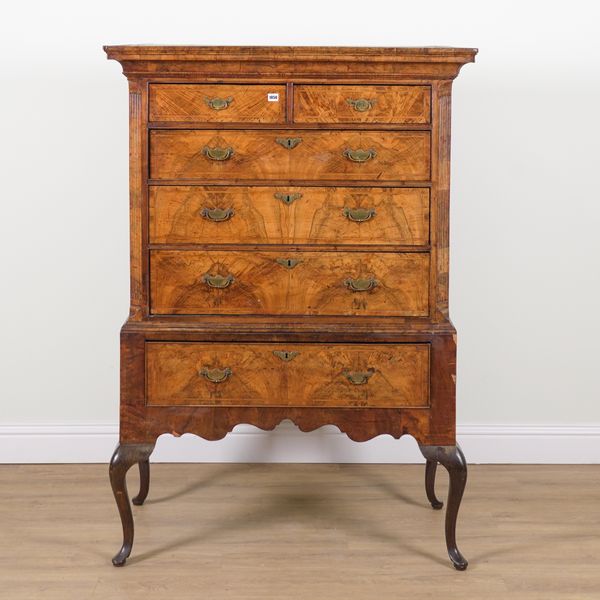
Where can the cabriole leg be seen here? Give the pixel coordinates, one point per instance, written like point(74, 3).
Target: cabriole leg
point(124, 457)
point(144, 466)
point(452, 458)
point(430, 469)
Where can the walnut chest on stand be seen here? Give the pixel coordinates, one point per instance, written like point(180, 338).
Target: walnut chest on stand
point(289, 250)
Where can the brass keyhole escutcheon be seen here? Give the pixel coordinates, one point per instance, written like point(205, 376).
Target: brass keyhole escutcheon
point(288, 263)
point(289, 143)
point(286, 355)
point(287, 198)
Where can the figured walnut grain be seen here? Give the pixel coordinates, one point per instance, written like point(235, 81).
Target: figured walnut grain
point(315, 217)
point(315, 286)
point(319, 155)
point(388, 104)
point(246, 103)
point(315, 376)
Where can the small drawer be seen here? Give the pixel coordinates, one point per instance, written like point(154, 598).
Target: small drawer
point(316, 375)
point(289, 283)
point(289, 215)
point(409, 104)
point(290, 154)
point(217, 103)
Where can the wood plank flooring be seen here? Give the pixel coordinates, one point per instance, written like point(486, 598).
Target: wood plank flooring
point(213, 531)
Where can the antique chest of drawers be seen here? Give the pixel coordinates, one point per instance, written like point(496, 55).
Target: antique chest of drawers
point(289, 250)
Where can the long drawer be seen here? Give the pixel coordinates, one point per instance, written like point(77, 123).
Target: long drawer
point(290, 155)
point(295, 283)
point(290, 215)
point(316, 375)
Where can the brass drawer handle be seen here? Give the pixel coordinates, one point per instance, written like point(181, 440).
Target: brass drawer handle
point(217, 153)
point(358, 215)
point(287, 198)
point(216, 375)
point(358, 377)
point(359, 156)
point(288, 263)
point(218, 103)
point(361, 285)
point(218, 281)
point(288, 143)
point(217, 214)
point(360, 104)
point(286, 355)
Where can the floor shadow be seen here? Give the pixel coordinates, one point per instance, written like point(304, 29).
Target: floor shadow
point(389, 488)
point(290, 506)
point(230, 469)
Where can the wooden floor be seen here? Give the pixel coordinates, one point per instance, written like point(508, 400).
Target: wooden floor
point(300, 531)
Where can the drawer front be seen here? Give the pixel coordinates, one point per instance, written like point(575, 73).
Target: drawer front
point(290, 215)
point(196, 374)
point(315, 155)
point(362, 104)
point(217, 103)
point(294, 283)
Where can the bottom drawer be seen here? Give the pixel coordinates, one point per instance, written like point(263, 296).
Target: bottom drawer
point(315, 375)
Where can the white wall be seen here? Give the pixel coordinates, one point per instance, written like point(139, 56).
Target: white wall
point(525, 200)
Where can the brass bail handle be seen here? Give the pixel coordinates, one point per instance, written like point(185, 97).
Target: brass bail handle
point(217, 153)
point(358, 215)
point(359, 155)
point(217, 215)
point(358, 377)
point(218, 281)
point(361, 285)
point(218, 103)
point(360, 104)
point(216, 375)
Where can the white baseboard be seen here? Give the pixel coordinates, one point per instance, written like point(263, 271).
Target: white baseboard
point(537, 444)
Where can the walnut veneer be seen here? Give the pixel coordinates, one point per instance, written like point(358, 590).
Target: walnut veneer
point(289, 250)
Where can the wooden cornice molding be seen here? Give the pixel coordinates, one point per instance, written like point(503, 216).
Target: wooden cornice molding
point(294, 53)
point(301, 62)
